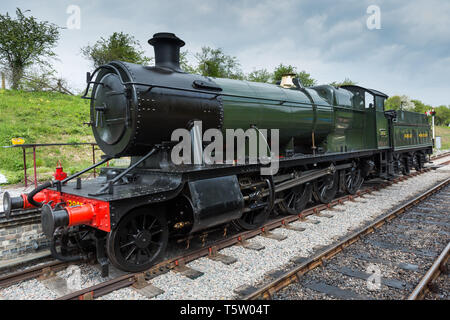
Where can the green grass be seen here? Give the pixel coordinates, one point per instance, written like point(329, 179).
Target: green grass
point(43, 118)
point(444, 133)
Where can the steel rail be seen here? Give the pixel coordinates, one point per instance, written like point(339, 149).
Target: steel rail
point(440, 156)
point(131, 278)
point(22, 219)
point(293, 275)
point(31, 273)
point(18, 213)
point(432, 274)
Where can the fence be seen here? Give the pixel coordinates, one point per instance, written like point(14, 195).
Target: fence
point(33, 146)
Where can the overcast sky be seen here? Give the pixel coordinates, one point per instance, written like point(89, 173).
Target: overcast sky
point(409, 54)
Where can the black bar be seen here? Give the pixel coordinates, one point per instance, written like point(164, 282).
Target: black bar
point(118, 177)
point(86, 170)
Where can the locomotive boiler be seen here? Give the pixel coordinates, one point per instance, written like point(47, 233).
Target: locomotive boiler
point(330, 140)
point(136, 107)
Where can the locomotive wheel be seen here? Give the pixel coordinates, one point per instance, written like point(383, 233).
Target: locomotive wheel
point(418, 162)
point(296, 199)
point(353, 180)
point(138, 241)
point(406, 168)
point(261, 208)
point(325, 188)
point(398, 165)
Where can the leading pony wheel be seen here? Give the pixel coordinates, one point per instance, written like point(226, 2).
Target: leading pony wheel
point(139, 240)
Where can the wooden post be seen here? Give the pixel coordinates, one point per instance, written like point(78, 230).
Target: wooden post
point(3, 81)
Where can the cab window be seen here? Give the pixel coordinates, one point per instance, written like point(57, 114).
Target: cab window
point(369, 100)
point(358, 99)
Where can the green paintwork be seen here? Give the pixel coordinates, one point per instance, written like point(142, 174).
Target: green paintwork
point(411, 129)
point(342, 120)
point(382, 127)
point(273, 107)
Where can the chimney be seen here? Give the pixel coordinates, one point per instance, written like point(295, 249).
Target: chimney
point(167, 50)
point(286, 80)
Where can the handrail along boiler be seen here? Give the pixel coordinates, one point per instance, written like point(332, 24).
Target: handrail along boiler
point(331, 139)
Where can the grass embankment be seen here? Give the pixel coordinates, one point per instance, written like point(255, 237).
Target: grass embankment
point(444, 133)
point(43, 118)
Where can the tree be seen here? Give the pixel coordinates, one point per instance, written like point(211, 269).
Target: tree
point(420, 107)
point(304, 77)
point(261, 75)
point(25, 41)
point(442, 117)
point(346, 82)
point(215, 63)
point(399, 102)
point(44, 79)
point(280, 71)
point(185, 65)
point(118, 46)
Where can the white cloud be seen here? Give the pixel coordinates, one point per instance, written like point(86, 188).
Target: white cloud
point(409, 55)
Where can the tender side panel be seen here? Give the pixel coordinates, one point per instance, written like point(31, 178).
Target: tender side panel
point(411, 130)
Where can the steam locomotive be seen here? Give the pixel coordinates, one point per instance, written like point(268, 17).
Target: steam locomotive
point(330, 140)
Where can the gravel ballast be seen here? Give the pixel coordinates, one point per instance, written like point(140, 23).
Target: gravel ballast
point(252, 267)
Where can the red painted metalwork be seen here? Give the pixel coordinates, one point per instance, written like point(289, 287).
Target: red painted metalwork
point(25, 167)
point(59, 173)
point(34, 166)
point(45, 196)
point(91, 212)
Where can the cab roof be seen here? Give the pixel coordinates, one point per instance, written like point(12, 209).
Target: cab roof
point(372, 91)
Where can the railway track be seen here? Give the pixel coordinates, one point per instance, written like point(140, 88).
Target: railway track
point(427, 283)
point(341, 262)
point(178, 263)
point(440, 156)
point(24, 217)
point(44, 270)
